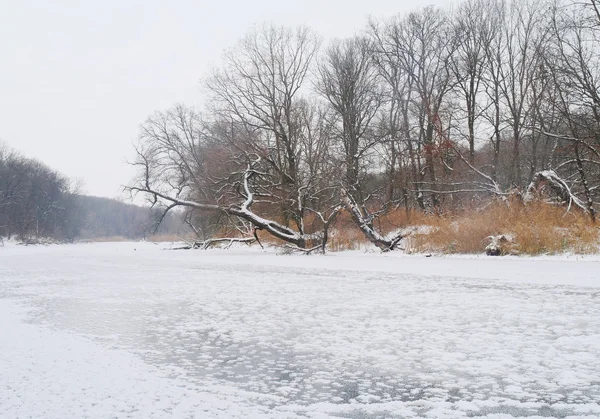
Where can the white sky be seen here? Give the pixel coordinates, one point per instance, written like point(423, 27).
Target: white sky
point(77, 78)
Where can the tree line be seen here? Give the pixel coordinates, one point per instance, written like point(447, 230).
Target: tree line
point(37, 202)
point(34, 199)
point(434, 110)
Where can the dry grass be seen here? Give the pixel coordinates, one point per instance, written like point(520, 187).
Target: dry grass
point(537, 228)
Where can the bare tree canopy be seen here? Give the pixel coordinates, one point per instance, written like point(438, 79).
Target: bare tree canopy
point(433, 110)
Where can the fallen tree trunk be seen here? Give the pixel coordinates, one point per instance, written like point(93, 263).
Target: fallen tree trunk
point(558, 187)
point(365, 223)
point(206, 244)
point(243, 211)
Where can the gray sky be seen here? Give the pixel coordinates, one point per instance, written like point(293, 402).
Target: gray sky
point(77, 78)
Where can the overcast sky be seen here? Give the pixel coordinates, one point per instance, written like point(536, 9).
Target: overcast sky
point(77, 78)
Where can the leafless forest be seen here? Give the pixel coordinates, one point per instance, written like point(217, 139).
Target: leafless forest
point(34, 199)
point(434, 111)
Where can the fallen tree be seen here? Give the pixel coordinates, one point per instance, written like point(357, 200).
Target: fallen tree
point(364, 222)
point(559, 188)
point(243, 210)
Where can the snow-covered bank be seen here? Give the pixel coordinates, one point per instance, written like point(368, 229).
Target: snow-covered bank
point(566, 269)
point(131, 330)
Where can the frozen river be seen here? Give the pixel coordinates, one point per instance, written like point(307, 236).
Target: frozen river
point(134, 331)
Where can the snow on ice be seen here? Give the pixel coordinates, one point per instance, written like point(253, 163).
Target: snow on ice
point(132, 330)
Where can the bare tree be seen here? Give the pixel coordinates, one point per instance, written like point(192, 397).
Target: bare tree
point(468, 61)
point(525, 34)
point(348, 80)
point(388, 55)
point(494, 48)
point(259, 86)
point(427, 48)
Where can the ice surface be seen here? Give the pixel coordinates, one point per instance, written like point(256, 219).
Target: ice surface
point(134, 331)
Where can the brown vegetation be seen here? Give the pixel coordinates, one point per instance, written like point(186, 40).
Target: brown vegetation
point(537, 228)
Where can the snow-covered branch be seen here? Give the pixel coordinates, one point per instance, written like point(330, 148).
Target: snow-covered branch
point(365, 223)
point(557, 185)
